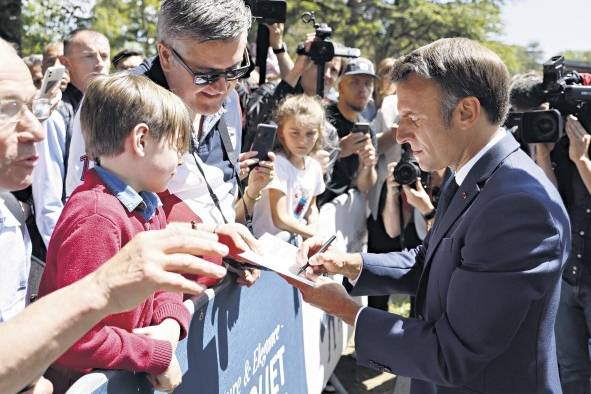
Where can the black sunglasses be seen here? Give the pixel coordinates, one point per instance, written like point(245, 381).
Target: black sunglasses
point(202, 79)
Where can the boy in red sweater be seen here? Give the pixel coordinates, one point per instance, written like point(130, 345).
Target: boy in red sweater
point(136, 132)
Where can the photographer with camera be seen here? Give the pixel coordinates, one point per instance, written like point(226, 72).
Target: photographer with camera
point(406, 211)
point(301, 78)
point(566, 163)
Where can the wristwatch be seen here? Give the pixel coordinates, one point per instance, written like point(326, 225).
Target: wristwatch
point(282, 49)
point(430, 215)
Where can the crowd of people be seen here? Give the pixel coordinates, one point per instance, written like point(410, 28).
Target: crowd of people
point(144, 170)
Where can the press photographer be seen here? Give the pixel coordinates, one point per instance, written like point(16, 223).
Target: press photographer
point(561, 140)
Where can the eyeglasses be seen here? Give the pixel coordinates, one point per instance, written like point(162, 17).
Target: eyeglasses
point(202, 79)
point(11, 110)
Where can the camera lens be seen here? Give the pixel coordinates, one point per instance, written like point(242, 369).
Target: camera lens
point(546, 126)
point(406, 173)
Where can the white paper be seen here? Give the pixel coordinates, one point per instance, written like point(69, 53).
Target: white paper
point(278, 256)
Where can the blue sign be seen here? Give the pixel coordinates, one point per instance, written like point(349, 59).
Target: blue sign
point(241, 340)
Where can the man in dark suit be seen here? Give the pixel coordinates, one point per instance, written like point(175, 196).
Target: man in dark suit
point(487, 278)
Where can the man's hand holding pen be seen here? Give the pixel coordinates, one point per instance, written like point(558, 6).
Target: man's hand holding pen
point(328, 295)
point(332, 261)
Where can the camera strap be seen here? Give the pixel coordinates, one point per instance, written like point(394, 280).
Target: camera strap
point(230, 152)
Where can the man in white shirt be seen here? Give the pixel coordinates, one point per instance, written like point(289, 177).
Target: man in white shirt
point(487, 277)
point(86, 53)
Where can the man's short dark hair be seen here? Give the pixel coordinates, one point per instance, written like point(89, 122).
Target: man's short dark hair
point(203, 20)
point(124, 54)
point(527, 91)
point(462, 68)
point(72, 36)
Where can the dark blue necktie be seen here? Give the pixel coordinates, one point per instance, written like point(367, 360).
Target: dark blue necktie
point(447, 194)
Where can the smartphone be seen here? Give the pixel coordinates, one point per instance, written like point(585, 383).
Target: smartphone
point(264, 140)
point(361, 128)
point(53, 76)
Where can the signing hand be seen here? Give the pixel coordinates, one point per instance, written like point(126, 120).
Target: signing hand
point(352, 143)
point(332, 261)
point(329, 296)
point(579, 140)
point(168, 380)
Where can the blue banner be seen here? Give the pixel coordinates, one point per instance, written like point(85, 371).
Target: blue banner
point(241, 340)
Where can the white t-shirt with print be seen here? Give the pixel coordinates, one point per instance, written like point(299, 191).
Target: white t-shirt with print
point(299, 186)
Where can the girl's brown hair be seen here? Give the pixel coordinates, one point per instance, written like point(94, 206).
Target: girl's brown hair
point(308, 110)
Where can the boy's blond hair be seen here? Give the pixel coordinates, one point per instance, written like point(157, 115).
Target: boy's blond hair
point(113, 105)
point(308, 110)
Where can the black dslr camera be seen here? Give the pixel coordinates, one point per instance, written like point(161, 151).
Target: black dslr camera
point(407, 170)
point(566, 96)
point(323, 49)
point(268, 11)
point(265, 12)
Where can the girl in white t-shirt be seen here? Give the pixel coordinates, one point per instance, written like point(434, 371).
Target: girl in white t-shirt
point(288, 206)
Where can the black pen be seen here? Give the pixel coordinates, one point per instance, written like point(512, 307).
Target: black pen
point(321, 250)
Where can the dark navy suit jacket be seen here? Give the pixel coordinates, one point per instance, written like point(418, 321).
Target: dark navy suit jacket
point(487, 281)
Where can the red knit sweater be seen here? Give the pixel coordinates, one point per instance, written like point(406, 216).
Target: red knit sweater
point(92, 228)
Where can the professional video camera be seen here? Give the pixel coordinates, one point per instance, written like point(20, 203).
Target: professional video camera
point(323, 50)
point(265, 12)
point(566, 96)
point(407, 170)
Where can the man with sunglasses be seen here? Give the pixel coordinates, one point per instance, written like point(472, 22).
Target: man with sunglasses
point(201, 55)
point(33, 338)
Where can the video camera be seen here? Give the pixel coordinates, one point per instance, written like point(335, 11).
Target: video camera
point(323, 50)
point(407, 170)
point(566, 96)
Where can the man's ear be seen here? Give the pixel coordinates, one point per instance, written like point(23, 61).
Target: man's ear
point(467, 112)
point(164, 55)
point(138, 138)
point(64, 61)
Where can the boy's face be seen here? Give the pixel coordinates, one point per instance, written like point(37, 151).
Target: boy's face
point(161, 161)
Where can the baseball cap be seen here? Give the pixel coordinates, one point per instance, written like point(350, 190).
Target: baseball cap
point(360, 66)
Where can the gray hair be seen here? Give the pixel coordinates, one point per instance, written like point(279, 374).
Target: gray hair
point(462, 68)
point(203, 20)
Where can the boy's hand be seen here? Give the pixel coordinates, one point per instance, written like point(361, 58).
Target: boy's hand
point(167, 330)
point(42, 386)
point(168, 380)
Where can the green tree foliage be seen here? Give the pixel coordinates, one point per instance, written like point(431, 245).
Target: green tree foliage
point(580, 56)
point(127, 23)
point(46, 21)
point(382, 28)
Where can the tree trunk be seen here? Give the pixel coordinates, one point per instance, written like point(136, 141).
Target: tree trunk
point(10, 21)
